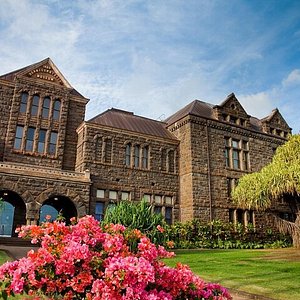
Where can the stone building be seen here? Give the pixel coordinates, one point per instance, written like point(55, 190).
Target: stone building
point(52, 161)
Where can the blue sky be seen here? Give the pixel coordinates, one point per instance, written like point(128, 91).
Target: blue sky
point(154, 57)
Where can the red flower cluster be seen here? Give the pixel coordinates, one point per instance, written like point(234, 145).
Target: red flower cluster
point(86, 261)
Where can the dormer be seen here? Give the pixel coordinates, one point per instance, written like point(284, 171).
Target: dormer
point(231, 111)
point(275, 124)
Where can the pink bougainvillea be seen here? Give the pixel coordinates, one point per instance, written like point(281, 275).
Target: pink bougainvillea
point(86, 261)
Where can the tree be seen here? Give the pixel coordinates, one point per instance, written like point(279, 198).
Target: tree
point(278, 180)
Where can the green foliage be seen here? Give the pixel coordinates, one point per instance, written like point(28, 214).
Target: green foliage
point(280, 177)
point(137, 216)
point(219, 235)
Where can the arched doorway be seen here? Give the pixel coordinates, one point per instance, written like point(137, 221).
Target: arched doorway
point(12, 213)
point(58, 205)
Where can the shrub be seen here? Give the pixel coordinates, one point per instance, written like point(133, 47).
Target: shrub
point(138, 216)
point(87, 261)
point(219, 235)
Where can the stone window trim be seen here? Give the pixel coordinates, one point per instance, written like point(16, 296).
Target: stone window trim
point(39, 108)
point(168, 158)
point(30, 145)
point(242, 216)
point(231, 183)
point(137, 155)
point(236, 154)
point(103, 155)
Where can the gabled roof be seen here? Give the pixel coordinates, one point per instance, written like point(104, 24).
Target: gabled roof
point(128, 121)
point(196, 108)
point(206, 110)
point(44, 70)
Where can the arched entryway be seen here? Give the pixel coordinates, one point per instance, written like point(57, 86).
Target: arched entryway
point(12, 213)
point(58, 205)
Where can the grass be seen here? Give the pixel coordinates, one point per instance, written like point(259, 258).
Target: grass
point(271, 273)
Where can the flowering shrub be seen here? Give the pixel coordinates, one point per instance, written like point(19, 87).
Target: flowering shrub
point(85, 261)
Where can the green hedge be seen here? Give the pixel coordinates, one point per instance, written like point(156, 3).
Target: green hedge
point(220, 235)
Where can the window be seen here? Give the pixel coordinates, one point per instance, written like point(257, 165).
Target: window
point(227, 152)
point(46, 107)
point(99, 211)
point(19, 137)
point(168, 200)
point(125, 196)
point(157, 210)
point(145, 158)
point(236, 154)
point(42, 140)
point(108, 150)
point(244, 217)
point(23, 105)
point(168, 215)
point(128, 155)
point(30, 139)
point(56, 110)
point(163, 164)
point(35, 105)
point(147, 198)
point(52, 143)
point(113, 195)
point(100, 194)
point(157, 199)
point(136, 156)
point(233, 120)
point(171, 166)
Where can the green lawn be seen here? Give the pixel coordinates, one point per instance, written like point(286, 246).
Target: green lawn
point(271, 273)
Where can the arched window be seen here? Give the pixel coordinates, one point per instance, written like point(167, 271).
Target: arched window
point(145, 158)
point(46, 107)
point(171, 165)
point(128, 155)
point(108, 150)
point(23, 105)
point(56, 110)
point(137, 156)
point(163, 161)
point(35, 105)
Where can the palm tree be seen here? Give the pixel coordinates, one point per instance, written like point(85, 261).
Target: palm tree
point(278, 180)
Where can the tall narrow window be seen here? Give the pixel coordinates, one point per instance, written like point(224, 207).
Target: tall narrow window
point(35, 105)
point(163, 162)
point(19, 137)
point(56, 110)
point(168, 215)
point(245, 155)
point(136, 156)
point(235, 154)
point(30, 139)
point(128, 155)
point(145, 158)
point(171, 167)
point(23, 104)
point(42, 140)
point(99, 211)
point(46, 107)
point(108, 150)
point(227, 152)
point(52, 143)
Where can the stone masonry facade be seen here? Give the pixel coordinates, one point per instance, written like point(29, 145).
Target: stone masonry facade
point(185, 167)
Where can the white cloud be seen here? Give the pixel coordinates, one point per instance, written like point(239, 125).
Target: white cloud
point(292, 79)
point(258, 105)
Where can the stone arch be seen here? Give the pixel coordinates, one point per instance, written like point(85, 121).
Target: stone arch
point(13, 214)
point(64, 199)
